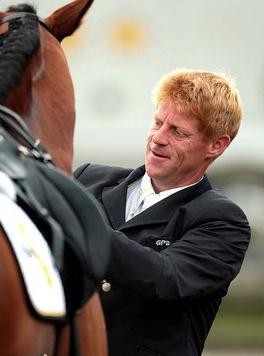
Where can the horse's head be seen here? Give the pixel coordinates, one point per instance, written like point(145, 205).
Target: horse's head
point(34, 75)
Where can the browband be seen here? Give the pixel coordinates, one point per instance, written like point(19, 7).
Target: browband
point(18, 15)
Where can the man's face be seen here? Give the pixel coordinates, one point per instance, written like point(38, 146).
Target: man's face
point(177, 153)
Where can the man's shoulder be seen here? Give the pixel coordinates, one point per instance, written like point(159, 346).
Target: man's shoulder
point(89, 173)
point(215, 204)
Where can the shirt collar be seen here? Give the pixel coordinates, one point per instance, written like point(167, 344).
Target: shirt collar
point(146, 188)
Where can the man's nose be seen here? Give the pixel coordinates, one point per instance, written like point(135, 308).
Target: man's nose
point(161, 136)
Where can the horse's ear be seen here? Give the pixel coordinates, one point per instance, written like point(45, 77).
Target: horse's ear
point(64, 21)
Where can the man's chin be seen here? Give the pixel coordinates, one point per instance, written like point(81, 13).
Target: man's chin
point(154, 172)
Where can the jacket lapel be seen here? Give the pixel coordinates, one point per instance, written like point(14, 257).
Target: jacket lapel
point(114, 199)
point(162, 211)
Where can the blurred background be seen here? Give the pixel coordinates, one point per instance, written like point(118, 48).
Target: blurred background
point(120, 52)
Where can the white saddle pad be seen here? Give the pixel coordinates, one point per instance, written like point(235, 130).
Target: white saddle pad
point(40, 274)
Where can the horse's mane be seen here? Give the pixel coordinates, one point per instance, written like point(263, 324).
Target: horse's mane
point(17, 45)
point(22, 8)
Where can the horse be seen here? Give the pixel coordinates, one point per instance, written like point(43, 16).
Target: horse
point(36, 88)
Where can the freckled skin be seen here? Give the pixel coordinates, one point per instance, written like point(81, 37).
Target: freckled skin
point(177, 152)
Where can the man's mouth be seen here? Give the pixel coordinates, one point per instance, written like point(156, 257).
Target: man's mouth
point(159, 154)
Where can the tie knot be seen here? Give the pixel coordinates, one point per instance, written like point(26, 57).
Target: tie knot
point(144, 193)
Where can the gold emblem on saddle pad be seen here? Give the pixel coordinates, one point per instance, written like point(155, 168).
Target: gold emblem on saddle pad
point(42, 280)
point(30, 250)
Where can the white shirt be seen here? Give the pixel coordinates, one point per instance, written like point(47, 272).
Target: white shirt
point(141, 195)
point(7, 187)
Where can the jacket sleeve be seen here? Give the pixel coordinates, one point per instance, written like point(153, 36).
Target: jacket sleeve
point(204, 259)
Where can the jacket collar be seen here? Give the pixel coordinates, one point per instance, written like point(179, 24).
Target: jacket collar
point(114, 199)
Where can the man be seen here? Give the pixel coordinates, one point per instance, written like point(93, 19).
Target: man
point(177, 243)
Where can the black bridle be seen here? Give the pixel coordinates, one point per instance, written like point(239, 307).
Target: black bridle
point(17, 126)
point(21, 15)
point(12, 121)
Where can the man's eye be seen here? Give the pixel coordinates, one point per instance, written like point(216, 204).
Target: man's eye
point(180, 134)
point(157, 124)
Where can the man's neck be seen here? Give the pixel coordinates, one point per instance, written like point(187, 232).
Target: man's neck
point(162, 186)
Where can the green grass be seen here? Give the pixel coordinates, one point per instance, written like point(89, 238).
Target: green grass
point(239, 324)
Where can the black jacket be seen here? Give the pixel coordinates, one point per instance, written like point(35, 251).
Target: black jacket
point(170, 266)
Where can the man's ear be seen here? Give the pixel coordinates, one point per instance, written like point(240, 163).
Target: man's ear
point(218, 145)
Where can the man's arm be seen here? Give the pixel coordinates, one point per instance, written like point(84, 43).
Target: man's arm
point(206, 258)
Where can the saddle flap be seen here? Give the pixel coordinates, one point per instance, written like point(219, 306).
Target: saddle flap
point(87, 241)
point(94, 239)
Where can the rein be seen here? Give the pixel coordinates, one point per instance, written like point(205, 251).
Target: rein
point(15, 123)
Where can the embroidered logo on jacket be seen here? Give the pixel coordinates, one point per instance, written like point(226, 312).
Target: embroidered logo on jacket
point(162, 243)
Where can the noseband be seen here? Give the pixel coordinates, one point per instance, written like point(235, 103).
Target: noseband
point(12, 121)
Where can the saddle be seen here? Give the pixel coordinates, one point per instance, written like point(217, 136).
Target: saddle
point(70, 219)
